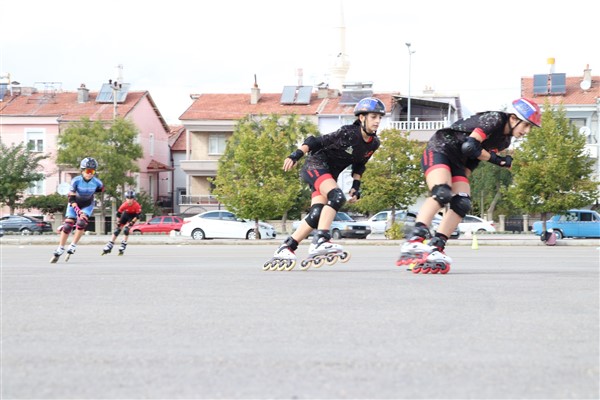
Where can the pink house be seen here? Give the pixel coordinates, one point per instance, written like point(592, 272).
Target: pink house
point(36, 117)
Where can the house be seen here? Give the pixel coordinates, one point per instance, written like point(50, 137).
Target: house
point(211, 118)
point(580, 97)
point(36, 116)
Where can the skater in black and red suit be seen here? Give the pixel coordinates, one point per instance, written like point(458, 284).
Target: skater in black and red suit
point(128, 213)
point(450, 156)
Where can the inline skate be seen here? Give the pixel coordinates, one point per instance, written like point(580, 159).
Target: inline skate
point(56, 255)
point(284, 258)
point(430, 258)
point(122, 248)
point(415, 250)
point(322, 251)
point(108, 248)
point(70, 251)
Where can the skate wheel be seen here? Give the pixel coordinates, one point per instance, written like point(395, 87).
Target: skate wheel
point(267, 265)
point(275, 265)
point(445, 269)
point(344, 257)
point(282, 265)
point(318, 262)
point(426, 269)
point(416, 268)
point(305, 264)
point(331, 259)
point(290, 265)
point(435, 269)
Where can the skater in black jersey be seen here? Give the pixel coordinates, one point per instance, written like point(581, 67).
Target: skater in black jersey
point(326, 157)
point(450, 156)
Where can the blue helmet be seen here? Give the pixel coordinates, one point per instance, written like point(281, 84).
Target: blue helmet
point(369, 105)
point(130, 194)
point(88, 162)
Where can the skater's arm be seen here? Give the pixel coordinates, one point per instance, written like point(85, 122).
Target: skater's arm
point(293, 158)
point(355, 189)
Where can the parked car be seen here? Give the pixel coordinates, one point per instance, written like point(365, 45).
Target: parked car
point(223, 224)
point(160, 224)
point(472, 223)
point(24, 225)
point(437, 219)
point(572, 223)
point(379, 221)
point(344, 226)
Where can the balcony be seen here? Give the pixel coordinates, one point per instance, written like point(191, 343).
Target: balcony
point(200, 167)
point(417, 125)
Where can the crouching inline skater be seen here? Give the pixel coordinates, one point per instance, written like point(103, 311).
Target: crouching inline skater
point(80, 207)
point(127, 214)
point(449, 158)
point(326, 157)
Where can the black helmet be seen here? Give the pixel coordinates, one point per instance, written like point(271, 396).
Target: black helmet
point(369, 105)
point(130, 194)
point(88, 162)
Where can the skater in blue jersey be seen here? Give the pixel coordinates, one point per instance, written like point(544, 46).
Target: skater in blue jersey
point(450, 156)
point(80, 206)
point(326, 157)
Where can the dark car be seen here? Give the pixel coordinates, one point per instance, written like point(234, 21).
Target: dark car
point(343, 226)
point(24, 225)
point(160, 224)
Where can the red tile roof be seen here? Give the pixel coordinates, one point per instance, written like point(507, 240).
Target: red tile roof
point(574, 94)
point(236, 106)
point(154, 165)
point(177, 138)
point(65, 106)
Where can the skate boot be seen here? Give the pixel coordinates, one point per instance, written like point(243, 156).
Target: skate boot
point(70, 251)
point(415, 250)
point(284, 258)
point(57, 253)
point(436, 261)
point(122, 247)
point(322, 251)
point(108, 248)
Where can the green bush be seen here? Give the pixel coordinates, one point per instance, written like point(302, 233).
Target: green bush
point(50, 204)
point(395, 232)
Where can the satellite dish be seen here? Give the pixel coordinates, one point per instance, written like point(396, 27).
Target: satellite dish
point(63, 188)
point(585, 84)
point(585, 131)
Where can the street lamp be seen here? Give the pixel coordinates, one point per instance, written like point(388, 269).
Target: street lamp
point(410, 53)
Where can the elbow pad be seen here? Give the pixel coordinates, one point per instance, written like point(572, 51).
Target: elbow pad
point(471, 148)
point(313, 143)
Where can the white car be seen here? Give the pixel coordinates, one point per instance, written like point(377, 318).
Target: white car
point(471, 223)
point(223, 224)
point(378, 222)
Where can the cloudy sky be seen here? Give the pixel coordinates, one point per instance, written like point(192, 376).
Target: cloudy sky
point(476, 49)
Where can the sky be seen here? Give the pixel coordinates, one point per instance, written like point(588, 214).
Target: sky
point(478, 50)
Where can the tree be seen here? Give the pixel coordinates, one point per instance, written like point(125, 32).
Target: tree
point(393, 178)
point(250, 179)
point(114, 147)
point(551, 171)
point(19, 168)
point(50, 204)
point(487, 184)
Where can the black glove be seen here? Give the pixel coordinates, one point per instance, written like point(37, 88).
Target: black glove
point(356, 187)
point(496, 159)
point(471, 148)
point(119, 214)
point(296, 155)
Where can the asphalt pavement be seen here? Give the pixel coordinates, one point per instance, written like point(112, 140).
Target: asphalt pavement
point(174, 320)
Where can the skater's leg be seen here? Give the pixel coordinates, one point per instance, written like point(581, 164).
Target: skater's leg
point(333, 198)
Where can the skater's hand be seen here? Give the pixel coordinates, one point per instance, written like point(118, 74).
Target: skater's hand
point(288, 164)
point(505, 162)
point(354, 196)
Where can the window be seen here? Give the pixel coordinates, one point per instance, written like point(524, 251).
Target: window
point(216, 144)
point(35, 141)
point(152, 144)
point(36, 188)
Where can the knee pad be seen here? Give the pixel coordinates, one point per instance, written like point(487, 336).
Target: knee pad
point(67, 226)
point(336, 199)
point(461, 204)
point(117, 231)
point(312, 219)
point(442, 194)
point(126, 231)
point(82, 222)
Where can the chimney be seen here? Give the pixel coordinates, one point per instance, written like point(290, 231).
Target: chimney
point(254, 93)
point(586, 83)
point(322, 91)
point(83, 94)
